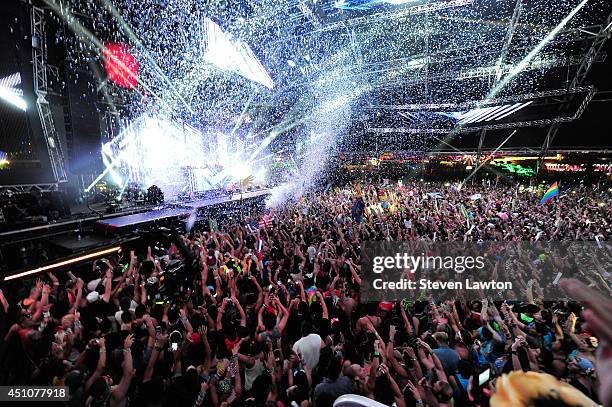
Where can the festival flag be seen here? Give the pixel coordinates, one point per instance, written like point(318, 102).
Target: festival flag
point(265, 221)
point(358, 209)
point(465, 214)
point(553, 191)
point(382, 195)
point(252, 226)
point(463, 211)
point(311, 293)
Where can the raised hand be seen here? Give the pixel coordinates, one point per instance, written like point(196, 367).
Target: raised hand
point(414, 390)
point(392, 332)
point(598, 316)
point(129, 340)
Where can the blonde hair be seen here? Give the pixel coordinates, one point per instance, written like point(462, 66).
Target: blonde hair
point(441, 336)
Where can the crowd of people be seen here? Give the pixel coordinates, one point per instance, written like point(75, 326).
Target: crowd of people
point(268, 313)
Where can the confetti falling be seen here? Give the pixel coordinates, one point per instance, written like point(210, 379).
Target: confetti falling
point(321, 73)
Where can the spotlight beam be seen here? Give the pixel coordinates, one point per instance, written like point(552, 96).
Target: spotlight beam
point(483, 163)
point(518, 68)
point(518, 8)
point(244, 110)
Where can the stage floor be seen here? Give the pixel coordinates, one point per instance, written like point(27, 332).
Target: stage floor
point(176, 210)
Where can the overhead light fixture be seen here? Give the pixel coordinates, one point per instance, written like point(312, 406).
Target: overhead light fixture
point(63, 263)
point(232, 55)
point(3, 159)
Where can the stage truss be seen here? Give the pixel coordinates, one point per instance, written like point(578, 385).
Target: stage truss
point(604, 34)
point(39, 57)
point(45, 114)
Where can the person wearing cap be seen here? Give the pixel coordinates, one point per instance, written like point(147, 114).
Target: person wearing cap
point(581, 375)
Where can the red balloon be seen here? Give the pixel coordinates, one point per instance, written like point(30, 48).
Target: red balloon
point(121, 66)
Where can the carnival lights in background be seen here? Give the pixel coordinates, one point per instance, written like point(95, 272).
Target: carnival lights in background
point(564, 167)
point(603, 168)
point(4, 161)
point(516, 169)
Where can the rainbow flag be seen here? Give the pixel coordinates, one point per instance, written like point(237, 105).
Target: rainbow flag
point(553, 191)
point(311, 294)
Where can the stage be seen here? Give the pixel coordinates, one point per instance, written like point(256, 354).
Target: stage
point(172, 211)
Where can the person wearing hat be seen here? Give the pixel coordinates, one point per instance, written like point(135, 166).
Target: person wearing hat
point(95, 305)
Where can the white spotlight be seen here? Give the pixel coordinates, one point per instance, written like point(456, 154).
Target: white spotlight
point(10, 93)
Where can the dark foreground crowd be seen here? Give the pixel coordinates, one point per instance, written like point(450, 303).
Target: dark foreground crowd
point(271, 315)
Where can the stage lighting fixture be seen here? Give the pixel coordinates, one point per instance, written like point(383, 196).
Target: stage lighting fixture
point(3, 159)
point(120, 65)
point(10, 93)
point(233, 56)
point(177, 157)
point(486, 114)
point(63, 263)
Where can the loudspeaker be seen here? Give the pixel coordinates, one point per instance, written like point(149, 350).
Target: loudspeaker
point(82, 123)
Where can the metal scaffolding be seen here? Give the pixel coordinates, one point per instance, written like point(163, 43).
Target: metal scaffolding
point(590, 93)
point(470, 104)
point(39, 62)
point(581, 74)
point(518, 8)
